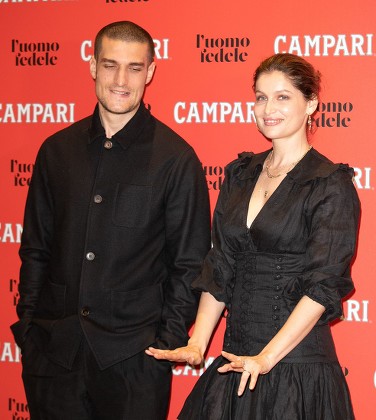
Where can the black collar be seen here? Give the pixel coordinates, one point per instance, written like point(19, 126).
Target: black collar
point(129, 133)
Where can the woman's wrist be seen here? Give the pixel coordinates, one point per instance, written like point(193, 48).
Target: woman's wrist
point(270, 361)
point(193, 342)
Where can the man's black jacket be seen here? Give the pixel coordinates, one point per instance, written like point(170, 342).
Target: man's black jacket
point(115, 230)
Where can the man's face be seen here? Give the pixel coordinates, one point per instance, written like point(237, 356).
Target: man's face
point(121, 72)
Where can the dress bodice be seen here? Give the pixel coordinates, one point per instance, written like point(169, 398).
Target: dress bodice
point(261, 300)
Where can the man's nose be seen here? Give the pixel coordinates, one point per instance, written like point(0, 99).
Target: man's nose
point(121, 77)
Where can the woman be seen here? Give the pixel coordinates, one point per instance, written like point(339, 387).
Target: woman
point(284, 234)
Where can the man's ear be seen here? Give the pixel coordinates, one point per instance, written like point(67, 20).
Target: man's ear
point(151, 70)
point(93, 67)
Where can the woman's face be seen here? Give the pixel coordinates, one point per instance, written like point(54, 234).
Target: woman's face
point(281, 110)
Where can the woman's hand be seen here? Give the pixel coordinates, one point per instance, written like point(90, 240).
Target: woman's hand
point(248, 366)
point(209, 312)
point(190, 354)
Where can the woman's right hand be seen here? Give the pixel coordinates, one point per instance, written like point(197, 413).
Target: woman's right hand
point(190, 354)
point(209, 312)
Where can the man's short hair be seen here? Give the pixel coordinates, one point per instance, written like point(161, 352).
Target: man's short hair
point(124, 31)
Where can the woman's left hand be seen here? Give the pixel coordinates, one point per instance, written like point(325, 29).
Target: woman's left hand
point(248, 366)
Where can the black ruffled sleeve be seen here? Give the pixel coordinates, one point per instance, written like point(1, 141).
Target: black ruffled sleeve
point(332, 214)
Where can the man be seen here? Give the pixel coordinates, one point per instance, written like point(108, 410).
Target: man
point(116, 227)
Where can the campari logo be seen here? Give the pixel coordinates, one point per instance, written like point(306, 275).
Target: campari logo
point(222, 50)
point(161, 49)
point(362, 178)
point(35, 113)
point(188, 370)
point(325, 45)
point(356, 310)
point(9, 352)
point(214, 112)
point(34, 53)
point(10, 233)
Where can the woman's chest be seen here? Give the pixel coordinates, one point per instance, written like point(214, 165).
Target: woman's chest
point(281, 224)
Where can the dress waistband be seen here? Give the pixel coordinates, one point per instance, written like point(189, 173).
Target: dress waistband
point(263, 262)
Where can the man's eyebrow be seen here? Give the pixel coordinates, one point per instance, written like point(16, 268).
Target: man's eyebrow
point(135, 63)
point(107, 60)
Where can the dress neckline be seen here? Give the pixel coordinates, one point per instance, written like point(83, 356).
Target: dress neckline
point(276, 191)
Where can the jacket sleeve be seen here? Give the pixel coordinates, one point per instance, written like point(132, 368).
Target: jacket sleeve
point(35, 247)
point(187, 226)
point(332, 217)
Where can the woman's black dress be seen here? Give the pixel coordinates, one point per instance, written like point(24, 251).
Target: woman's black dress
point(301, 243)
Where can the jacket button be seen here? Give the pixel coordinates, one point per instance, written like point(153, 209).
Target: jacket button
point(90, 256)
point(85, 312)
point(108, 144)
point(98, 199)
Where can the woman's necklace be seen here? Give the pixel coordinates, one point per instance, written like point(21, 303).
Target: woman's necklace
point(269, 159)
point(264, 191)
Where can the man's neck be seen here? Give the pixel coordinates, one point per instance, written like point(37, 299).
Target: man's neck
point(112, 123)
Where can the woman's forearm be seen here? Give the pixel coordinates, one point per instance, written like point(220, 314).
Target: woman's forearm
point(301, 321)
point(208, 314)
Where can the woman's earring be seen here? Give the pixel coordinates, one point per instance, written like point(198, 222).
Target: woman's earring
point(309, 122)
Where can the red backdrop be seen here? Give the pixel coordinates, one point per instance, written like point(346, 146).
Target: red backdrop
point(206, 53)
